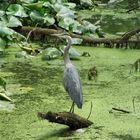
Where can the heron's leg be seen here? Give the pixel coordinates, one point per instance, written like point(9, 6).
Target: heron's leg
point(72, 108)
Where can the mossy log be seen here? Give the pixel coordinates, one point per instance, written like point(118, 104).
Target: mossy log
point(90, 40)
point(72, 120)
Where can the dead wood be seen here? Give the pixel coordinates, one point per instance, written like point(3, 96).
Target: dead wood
point(129, 34)
point(121, 110)
point(72, 120)
point(90, 40)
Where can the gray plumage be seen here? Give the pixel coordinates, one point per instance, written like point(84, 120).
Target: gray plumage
point(72, 84)
point(71, 80)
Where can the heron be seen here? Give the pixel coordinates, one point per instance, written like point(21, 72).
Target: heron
point(71, 78)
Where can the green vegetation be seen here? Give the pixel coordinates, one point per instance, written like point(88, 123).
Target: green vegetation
point(31, 67)
point(36, 86)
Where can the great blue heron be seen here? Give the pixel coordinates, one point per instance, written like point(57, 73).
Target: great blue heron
point(71, 79)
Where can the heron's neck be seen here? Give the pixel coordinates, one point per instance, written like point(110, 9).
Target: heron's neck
point(66, 52)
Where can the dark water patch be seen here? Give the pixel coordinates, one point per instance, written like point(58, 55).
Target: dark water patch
point(112, 24)
point(27, 73)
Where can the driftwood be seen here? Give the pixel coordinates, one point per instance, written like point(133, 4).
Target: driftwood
point(108, 41)
point(72, 120)
point(121, 110)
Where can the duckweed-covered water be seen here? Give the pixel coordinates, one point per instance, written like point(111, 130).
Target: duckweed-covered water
point(34, 86)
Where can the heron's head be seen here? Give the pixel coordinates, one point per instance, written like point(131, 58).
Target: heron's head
point(62, 35)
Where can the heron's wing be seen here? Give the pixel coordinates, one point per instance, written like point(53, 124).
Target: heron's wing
point(72, 85)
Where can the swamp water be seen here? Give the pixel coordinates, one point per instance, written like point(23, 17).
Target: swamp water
point(35, 86)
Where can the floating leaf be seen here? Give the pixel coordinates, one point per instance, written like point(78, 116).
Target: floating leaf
point(73, 53)
point(51, 53)
point(16, 10)
point(3, 96)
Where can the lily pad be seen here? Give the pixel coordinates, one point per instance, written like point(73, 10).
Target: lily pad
point(73, 53)
point(71, 24)
point(16, 10)
point(51, 53)
point(37, 17)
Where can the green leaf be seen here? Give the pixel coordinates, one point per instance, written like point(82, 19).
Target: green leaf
point(73, 53)
point(34, 6)
point(16, 10)
point(5, 97)
point(48, 5)
point(37, 17)
point(49, 20)
point(1, 13)
point(51, 53)
point(5, 31)
point(70, 24)
point(14, 22)
point(70, 5)
point(89, 27)
point(63, 11)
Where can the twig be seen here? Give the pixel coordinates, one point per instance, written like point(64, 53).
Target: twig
point(121, 110)
point(29, 34)
point(90, 110)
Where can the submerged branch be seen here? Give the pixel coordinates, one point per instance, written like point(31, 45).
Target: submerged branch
point(121, 110)
point(72, 120)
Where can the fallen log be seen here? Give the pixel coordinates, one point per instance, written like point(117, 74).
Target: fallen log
point(90, 40)
point(72, 120)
